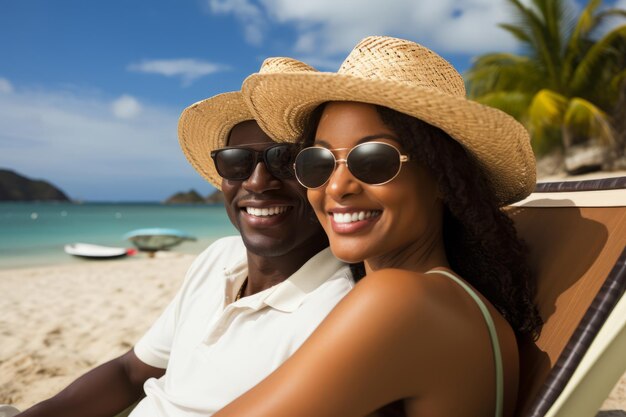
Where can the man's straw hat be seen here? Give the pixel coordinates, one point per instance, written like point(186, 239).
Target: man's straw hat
point(411, 79)
point(205, 125)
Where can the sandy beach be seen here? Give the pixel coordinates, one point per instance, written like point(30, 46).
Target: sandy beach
point(59, 321)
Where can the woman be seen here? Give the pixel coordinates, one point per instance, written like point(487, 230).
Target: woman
point(431, 329)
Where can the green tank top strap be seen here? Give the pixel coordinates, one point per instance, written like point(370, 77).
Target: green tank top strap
point(497, 355)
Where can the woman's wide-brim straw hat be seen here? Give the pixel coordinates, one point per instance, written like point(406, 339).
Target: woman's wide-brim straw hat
point(205, 125)
point(411, 79)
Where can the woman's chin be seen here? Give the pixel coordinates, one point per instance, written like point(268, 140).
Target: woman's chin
point(349, 255)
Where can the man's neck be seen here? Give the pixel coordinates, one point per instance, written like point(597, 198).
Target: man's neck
point(266, 271)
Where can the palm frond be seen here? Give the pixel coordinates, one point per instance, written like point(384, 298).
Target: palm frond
point(504, 73)
point(604, 15)
point(618, 80)
point(498, 58)
point(545, 118)
point(546, 108)
point(526, 15)
point(514, 103)
point(583, 119)
point(543, 20)
point(604, 56)
point(518, 32)
point(585, 24)
point(530, 22)
point(588, 18)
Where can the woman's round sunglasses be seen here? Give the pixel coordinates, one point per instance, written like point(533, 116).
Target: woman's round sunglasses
point(238, 163)
point(374, 163)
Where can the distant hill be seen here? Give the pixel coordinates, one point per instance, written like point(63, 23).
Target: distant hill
point(193, 197)
point(216, 198)
point(188, 197)
point(15, 187)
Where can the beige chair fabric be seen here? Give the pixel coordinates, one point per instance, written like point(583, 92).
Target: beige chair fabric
point(578, 254)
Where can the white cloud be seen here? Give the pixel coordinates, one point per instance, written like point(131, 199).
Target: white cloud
point(330, 28)
point(126, 107)
point(5, 86)
point(473, 27)
point(248, 14)
point(77, 143)
point(188, 70)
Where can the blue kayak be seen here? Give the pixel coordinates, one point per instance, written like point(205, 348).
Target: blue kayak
point(154, 239)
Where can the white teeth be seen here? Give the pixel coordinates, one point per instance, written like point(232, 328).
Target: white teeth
point(354, 216)
point(267, 211)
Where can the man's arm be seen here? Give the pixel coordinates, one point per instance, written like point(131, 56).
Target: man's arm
point(103, 391)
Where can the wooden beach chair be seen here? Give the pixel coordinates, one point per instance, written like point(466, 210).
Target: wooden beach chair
point(576, 232)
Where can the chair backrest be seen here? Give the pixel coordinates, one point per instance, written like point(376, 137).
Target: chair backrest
point(576, 232)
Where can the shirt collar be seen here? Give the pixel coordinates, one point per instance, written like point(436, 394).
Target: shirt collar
point(289, 294)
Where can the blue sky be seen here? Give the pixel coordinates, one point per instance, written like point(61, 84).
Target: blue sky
point(91, 91)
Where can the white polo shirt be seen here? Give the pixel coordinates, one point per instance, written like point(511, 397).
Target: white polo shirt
point(215, 349)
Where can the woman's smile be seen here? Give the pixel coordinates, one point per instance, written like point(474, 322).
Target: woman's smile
point(352, 220)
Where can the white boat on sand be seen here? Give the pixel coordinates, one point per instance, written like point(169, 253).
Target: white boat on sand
point(88, 250)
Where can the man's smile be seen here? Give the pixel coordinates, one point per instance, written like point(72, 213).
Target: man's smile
point(266, 211)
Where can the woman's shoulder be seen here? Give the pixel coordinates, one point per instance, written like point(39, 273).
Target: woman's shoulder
point(393, 294)
point(407, 303)
point(413, 291)
point(426, 303)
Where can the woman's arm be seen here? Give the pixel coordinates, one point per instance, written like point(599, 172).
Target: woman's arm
point(368, 352)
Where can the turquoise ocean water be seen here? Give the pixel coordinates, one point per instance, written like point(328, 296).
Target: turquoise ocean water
point(33, 234)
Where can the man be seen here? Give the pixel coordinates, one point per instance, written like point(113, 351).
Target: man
point(247, 303)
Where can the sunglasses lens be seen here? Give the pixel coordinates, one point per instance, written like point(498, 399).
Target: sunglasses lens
point(314, 166)
point(279, 161)
point(374, 163)
point(234, 164)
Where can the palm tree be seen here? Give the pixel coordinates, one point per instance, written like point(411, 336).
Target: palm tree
point(565, 84)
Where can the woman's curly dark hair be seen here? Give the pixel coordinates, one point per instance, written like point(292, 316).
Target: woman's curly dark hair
point(480, 240)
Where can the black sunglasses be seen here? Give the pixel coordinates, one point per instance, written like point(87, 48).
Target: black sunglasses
point(235, 163)
point(374, 163)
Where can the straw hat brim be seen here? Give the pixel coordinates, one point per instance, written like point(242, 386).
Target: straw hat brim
point(281, 104)
point(205, 126)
